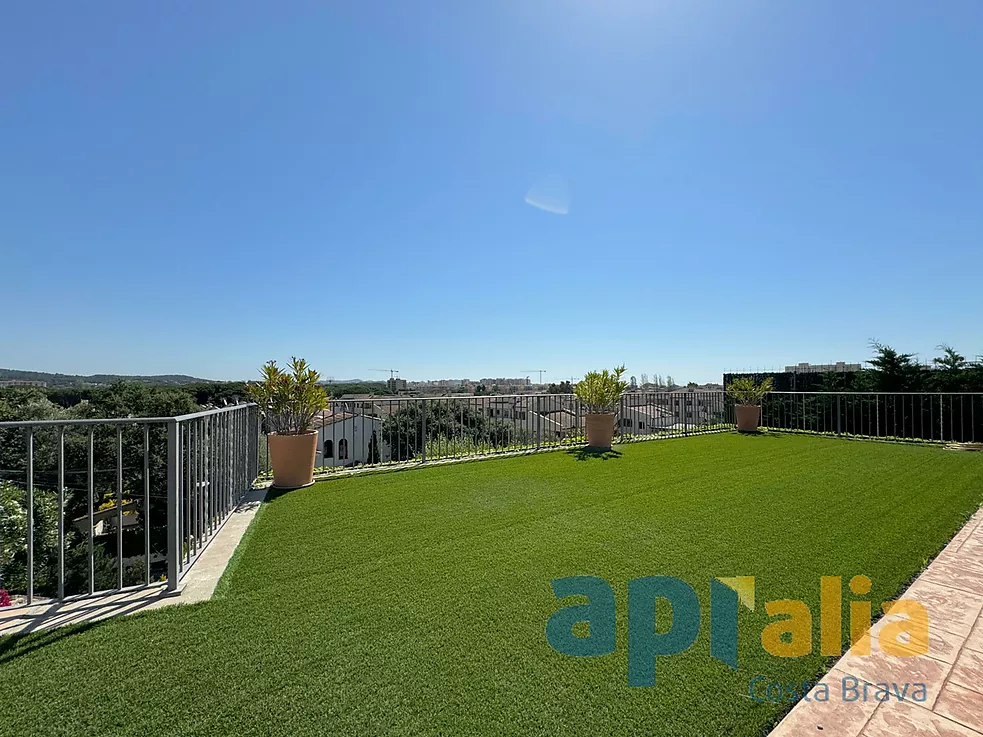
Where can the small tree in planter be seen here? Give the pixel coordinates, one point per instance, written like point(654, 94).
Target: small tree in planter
point(290, 400)
point(747, 396)
point(600, 392)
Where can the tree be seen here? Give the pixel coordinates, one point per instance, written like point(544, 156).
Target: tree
point(129, 399)
point(217, 393)
point(645, 379)
point(374, 455)
point(832, 382)
point(70, 396)
point(893, 371)
point(365, 387)
point(13, 538)
point(951, 373)
point(950, 360)
point(453, 420)
point(633, 382)
point(670, 384)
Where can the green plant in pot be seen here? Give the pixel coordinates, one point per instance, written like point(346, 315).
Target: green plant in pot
point(600, 393)
point(747, 395)
point(290, 400)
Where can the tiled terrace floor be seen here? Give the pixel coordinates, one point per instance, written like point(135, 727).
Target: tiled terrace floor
point(951, 588)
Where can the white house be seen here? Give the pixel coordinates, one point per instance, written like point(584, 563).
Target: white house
point(345, 439)
point(532, 417)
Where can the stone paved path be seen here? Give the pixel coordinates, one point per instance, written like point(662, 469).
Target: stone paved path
point(951, 588)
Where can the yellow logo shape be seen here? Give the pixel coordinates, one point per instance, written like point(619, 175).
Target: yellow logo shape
point(743, 586)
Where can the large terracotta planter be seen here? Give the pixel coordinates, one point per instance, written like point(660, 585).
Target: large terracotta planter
point(292, 458)
point(600, 430)
point(748, 417)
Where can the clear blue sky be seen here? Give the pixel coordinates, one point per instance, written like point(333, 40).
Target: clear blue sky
point(198, 187)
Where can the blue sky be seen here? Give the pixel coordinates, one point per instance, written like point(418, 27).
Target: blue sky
point(198, 187)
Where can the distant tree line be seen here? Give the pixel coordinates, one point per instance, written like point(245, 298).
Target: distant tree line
point(889, 371)
point(898, 397)
point(78, 380)
point(203, 393)
point(362, 387)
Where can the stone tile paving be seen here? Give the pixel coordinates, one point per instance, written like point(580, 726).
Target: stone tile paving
point(951, 588)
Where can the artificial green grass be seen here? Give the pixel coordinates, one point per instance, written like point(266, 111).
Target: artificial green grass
point(416, 602)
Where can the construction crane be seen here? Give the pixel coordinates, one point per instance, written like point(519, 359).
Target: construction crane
point(392, 372)
point(535, 371)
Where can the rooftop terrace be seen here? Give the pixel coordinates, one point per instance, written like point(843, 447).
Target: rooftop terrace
point(416, 602)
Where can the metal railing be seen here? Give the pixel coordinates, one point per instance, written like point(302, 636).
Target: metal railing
point(383, 431)
point(96, 505)
point(899, 416)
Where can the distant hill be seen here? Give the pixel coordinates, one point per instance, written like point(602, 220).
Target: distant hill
point(56, 380)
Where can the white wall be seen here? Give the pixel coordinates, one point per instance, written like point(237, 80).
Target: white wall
point(357, 433)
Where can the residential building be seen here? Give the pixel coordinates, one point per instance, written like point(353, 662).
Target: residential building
point(531, 416)
point(346, 439)
point(447, 384)
point(822, 368)
point(645, 418)
point(696, 404)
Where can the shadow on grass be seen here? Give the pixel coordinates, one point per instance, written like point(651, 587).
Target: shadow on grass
point(593, 454)
point(760, 434)
point(23, 643)
point(275, 492)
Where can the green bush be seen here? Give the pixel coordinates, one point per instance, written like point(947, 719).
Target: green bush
point(600, 391)
point(289, 399)
point(744, 391)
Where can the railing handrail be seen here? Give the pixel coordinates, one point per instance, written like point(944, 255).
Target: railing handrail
point(407, 397)
point(211, 412)
point(210, 461)
point(122, 420)
point(531, 395)
point(932, 393)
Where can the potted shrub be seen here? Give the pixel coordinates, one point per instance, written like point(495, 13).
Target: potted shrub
point(600, 392)
point(747, 395)
point(289, 401)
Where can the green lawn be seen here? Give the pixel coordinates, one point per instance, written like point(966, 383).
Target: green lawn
point(416, 602)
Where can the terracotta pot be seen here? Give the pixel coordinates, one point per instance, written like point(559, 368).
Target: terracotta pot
point(748, 417)
point(600, 430)
point(292, 458)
